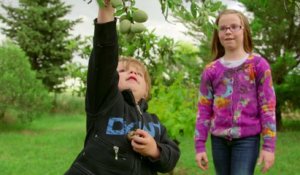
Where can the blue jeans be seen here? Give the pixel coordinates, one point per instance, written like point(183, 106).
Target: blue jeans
point(235, 157)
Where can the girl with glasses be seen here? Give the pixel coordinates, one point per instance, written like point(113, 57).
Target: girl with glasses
point(236, 103)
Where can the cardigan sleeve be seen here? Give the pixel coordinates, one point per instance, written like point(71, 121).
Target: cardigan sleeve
point(266, 104)
point(205, 111)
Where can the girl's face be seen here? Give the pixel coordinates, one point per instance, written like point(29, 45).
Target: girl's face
point(230, 32)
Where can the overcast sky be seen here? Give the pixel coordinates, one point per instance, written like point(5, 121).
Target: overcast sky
point(87, 12)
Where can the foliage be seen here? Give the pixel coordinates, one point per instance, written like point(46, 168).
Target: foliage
point(287, 91)
point(19, 89)
point(67, 103)
point(163, 56)
point(279, 43)
point(40, 29)
point(175, 105)
point(198, 17)
point(131, 17)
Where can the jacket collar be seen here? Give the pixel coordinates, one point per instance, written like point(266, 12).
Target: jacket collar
point(129, 98)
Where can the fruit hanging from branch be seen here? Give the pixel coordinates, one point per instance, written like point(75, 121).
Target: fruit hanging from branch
point(116, 3)
point(131, 18)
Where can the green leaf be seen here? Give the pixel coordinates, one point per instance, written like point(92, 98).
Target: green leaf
point(119, 12)
point(194, 9)
point(101, 3)
point(216, 6)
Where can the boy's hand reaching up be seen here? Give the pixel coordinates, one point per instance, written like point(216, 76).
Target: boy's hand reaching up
point(106, 14)
point(143, 143)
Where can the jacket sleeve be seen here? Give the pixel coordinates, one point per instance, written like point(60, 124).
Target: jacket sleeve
point(205, 111)
point(102, 77)
point(169, 153)
point(266, 104)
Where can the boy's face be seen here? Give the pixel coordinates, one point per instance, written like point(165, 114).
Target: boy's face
point(132, 77)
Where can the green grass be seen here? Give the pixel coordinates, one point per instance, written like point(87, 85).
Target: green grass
point(49, 144)
point(46, 146)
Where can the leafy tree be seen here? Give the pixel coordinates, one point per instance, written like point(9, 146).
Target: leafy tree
point(176, 105)
point(39, 28)
point(198, 17)
point(20, 91)
point(276, 27)
point(163, 56)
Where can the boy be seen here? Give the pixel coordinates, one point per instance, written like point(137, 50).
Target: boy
point(122, 138)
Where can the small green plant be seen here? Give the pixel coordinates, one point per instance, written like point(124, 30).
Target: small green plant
point(175, 105)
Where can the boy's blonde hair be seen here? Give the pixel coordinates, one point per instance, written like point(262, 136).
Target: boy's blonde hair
point(217, 49)
point(132, 61)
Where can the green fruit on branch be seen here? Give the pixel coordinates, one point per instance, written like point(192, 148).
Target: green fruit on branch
point(139, 16)
point(130, 36)
point(125, 26)
point(116, 3)
point(123, 17)
point(137, 28)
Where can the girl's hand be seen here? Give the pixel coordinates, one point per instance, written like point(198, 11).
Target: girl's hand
point(202, 161)
point(106, 14)
point(143, 143)
point(267, 158)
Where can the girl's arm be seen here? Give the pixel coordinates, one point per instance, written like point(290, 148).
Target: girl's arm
point(266, 103)
point(205, 110)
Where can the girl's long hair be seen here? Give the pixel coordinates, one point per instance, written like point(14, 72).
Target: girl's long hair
point(217, 48)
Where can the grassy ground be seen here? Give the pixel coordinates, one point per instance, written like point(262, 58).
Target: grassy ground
point(287, 154)
point(49, 145)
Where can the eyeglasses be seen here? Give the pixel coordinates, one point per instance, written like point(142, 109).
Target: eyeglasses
point(233, 28)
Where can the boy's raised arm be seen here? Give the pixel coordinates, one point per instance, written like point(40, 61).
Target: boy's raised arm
point(102, 78)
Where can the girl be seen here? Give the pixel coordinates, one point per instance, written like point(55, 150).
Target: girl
point(237, 102)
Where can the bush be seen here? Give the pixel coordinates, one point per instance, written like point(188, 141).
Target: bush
point(19, 89)
point(176, 106)
point(68, 103)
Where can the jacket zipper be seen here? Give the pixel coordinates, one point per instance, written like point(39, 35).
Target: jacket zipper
point(140, 114)
point(115, 148)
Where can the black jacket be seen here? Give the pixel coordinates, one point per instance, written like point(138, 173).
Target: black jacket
point(111, 114)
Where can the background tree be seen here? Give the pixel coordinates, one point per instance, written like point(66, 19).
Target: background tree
point(276, 31)
point(163, 56)
point(40, 29)
point(198, 17)
point(20, 91)
point(276, 41)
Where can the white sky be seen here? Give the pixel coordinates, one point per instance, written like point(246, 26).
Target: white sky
point(80, 9)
